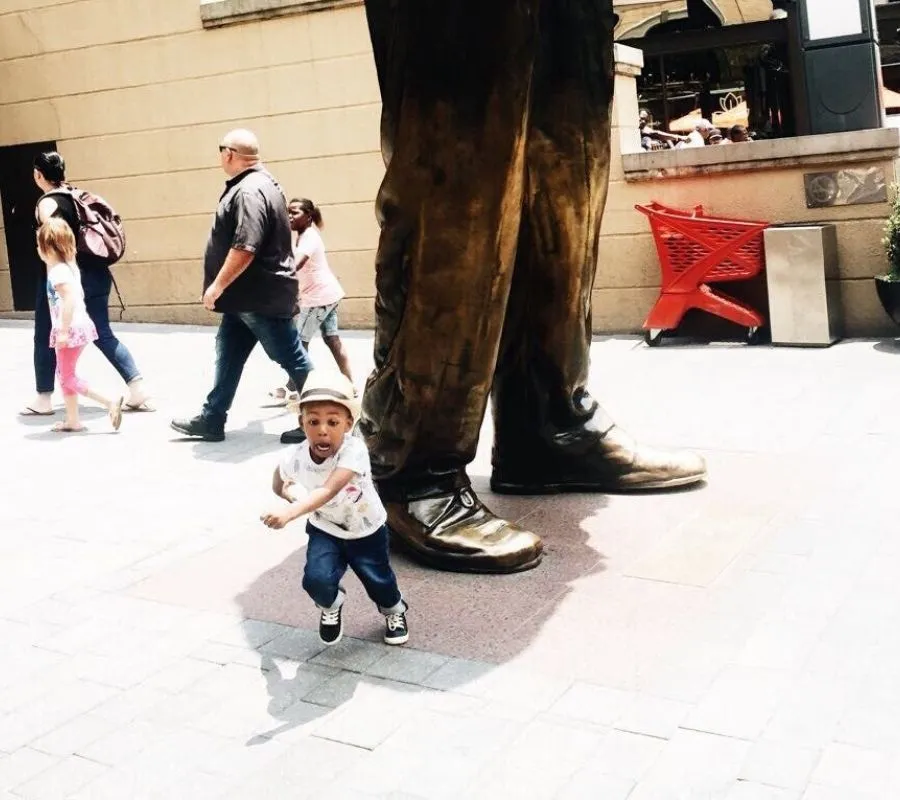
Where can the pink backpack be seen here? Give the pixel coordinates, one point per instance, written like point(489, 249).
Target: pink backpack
point(101, 234)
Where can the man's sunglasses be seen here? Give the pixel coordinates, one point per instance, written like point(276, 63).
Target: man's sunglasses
point(224, 147)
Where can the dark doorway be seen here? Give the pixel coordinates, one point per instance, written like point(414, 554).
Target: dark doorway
point(20, 195)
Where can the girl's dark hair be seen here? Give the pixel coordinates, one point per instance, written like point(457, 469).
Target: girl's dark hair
point(52, 166)
point(309, 207)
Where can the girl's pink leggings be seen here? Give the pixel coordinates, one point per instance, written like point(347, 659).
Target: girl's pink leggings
point(66, 362)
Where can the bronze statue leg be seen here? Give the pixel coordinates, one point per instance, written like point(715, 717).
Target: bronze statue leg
point(492, 113)
point(550, 435)
point(455, 83)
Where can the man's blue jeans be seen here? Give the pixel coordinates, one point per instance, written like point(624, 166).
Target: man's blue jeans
point(237, 336)
point(97, 284)
point(328, 557)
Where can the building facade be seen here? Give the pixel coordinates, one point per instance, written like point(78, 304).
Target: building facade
point(137, 96)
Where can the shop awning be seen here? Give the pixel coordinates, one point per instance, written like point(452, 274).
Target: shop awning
point(721, 119)
point(889, 98)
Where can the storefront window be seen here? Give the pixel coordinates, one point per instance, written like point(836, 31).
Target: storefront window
point(745, 86)
point(727, 63)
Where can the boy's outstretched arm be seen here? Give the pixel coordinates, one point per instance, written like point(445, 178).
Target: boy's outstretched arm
point(314, 500)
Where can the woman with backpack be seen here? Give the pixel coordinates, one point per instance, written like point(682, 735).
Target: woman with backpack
point(57, 201)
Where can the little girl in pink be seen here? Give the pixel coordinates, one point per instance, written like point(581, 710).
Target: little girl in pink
point(72, 329)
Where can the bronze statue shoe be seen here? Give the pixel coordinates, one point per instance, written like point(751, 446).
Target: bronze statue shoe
point(588, 461)
point(456, 532)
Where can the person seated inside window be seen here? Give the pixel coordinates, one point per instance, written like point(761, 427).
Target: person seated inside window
point(700, 135)
point(652, 139)
point(738, 133)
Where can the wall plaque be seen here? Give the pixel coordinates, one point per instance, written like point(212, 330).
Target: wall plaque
point(846, 187)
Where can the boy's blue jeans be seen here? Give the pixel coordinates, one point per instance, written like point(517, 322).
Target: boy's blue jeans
point(327, 559)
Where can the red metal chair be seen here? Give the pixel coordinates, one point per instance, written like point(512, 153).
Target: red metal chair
point(694, 250)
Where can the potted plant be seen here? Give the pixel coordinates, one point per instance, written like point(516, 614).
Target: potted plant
point(888, 286)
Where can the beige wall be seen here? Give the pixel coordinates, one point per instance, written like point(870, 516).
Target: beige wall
point(137, 96)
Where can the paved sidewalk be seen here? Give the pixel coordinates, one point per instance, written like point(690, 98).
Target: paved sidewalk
point(740, 642)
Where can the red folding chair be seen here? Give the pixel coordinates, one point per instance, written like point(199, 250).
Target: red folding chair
point(695, 250)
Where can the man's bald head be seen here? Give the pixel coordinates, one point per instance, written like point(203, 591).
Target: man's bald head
point(240, 150)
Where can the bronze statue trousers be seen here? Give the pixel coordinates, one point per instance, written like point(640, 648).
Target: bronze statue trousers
point(495, 135)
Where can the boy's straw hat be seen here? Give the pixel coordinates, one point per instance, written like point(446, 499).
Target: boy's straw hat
point(324, 386)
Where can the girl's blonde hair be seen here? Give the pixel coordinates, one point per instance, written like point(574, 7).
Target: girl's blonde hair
point(55, 239)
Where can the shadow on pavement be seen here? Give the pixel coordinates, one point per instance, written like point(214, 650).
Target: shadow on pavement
point(462, 626)
point(241, 444)
point(891, 346)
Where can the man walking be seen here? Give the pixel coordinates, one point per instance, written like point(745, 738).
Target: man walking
point(250, 278)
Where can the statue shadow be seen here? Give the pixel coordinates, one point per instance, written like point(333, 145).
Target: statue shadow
point(891, 346)
point(484, 621)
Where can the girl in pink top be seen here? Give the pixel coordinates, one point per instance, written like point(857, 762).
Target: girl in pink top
point(320, 291)
point(71, 327)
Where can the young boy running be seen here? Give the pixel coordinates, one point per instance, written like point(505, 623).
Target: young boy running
point(346, 524)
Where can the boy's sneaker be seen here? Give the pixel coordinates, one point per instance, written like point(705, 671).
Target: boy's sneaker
point(331, 626)
point(395, 629)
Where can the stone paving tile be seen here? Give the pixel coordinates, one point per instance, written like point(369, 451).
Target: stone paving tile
point(154, 769)
point(589, 784)
point(61, 780)
point(539, 762)
point(595, 704)
point(627, 755)
point(349, 654)
point(180, 676)
point(505, 683)
point(22, 765)
point(222, 654)
point(405, 665)
point(653, 716)
point(853, 768)
point(377, 709)
point(335, 691)
point(745, 790)
point(779, 764)
point(297, 644)
point(49, 712)
point(250, 633)
point(69, 738)
point(130, 704)
point(811, 710)
point(699, 764)
point(818, 792)
point(124, 743)
point(740, 702)
point(178, 654)
point(308, 769)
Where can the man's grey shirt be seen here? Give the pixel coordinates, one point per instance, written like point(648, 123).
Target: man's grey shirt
point(252, 216)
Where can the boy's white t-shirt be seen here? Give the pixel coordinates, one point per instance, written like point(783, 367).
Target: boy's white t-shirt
point(357, 510)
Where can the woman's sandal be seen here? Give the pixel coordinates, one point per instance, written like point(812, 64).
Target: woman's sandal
point(115, 413)
point(64, 427)
point(28, 411)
